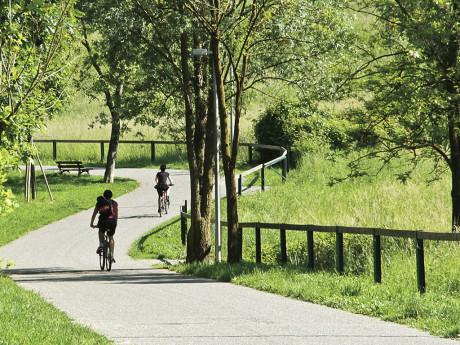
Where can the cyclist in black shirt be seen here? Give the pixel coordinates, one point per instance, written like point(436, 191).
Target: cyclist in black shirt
point(162, 182)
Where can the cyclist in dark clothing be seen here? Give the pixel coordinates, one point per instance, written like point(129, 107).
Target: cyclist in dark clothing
point(162, 183)
point(108, 218)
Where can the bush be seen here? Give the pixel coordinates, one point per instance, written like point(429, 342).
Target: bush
point(297, 129)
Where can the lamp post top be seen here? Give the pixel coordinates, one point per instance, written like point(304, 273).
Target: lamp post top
point(201, 52)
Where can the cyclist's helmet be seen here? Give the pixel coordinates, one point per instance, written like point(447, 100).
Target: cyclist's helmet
point(163, 167)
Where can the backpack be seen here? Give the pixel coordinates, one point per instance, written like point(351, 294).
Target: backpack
point(105, 209)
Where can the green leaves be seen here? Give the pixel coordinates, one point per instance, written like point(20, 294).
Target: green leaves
point(35, 47)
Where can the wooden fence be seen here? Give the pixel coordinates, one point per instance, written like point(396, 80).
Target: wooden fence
point(152, 144)
point(418, 236)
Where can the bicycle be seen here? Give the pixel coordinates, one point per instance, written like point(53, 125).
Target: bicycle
point(163, 203)
point(105, 256)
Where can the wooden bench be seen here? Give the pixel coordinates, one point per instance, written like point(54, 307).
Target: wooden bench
point(68, 166)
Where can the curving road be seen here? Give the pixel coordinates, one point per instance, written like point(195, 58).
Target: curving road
point(155, 306)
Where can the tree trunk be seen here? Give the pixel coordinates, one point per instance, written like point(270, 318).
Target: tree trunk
point(228, 156)
point(199, 235)
point(114, 104)
point(112, 152)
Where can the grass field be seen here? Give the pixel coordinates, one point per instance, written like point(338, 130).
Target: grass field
point(382, 202)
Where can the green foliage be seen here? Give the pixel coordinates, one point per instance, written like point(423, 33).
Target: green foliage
point(297, 128)
point(406, 90)
point(36, 42)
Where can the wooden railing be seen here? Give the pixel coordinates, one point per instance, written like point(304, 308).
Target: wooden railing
point(152, 144)
point(418, 236)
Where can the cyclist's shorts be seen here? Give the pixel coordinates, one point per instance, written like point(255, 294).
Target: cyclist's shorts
point(161, 188)
point(109, 225)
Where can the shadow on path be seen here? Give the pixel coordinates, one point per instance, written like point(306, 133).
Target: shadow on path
point(116, 276)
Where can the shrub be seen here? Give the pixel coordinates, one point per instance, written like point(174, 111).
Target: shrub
point(298, 129)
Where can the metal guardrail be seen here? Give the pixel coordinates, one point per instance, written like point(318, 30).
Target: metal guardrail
point(282, 158)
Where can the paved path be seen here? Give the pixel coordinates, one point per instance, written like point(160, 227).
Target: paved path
point(155, 306)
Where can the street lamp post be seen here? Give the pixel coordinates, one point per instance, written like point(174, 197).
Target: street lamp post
point(218, 233)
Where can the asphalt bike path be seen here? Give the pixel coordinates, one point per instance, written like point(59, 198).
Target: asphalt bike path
point(156, 306)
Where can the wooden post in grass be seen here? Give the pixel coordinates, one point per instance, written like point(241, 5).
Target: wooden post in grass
point(152, 151)
point(54, 150)
point(240, 244)
point(283, 245)
point(262, 177)
point(310, 248)
point(284, 173)
point(240, 185)
point(339, 251)
point(102, 151)
point(377, 259)
point(183, 224)
point(420, 257)
point(258, 246)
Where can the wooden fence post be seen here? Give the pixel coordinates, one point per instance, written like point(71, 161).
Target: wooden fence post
point(284, 173)
point(283, 245)
point(152, 151)
point(250, 153)
point(183, 224)
point(339, 251)
point(258, 246)
point(377, 259)
point(54, 150)
point(310, 248)
point(240, 184)
point(240, 244)
point(420, 257)
point(262, 177)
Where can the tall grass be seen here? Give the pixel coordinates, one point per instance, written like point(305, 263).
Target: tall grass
point(307, 198)
point(77, 122)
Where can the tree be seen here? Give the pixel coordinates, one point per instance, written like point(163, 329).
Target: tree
point(111, 68)
point(169, 34)
point(260, 41)
point(36, 59)
point(411, 78)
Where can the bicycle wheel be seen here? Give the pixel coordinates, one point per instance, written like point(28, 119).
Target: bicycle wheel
point(102, 259)
point(108, 261)
point(166, 205)
point(160, 205)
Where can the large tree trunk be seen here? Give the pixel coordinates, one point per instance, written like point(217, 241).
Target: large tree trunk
point(229, 155)
point(199, 235)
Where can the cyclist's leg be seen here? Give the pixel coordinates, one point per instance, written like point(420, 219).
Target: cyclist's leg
point(112, 245)
point(101, 240)
point(110, 234)
point(160, 191)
